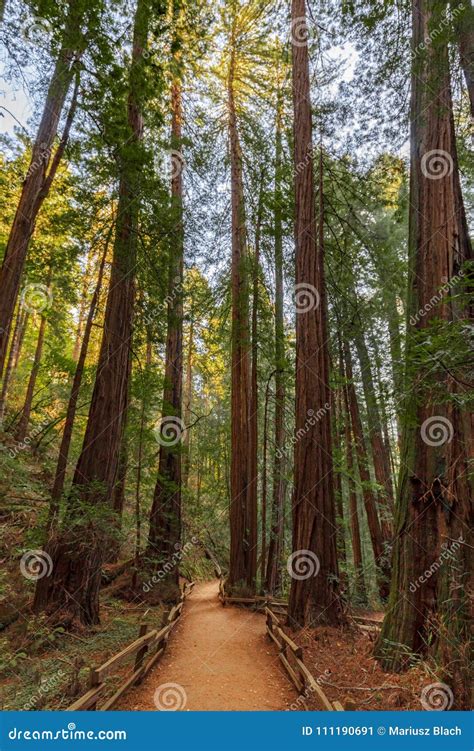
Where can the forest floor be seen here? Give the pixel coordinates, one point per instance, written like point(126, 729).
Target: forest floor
point(217, 659)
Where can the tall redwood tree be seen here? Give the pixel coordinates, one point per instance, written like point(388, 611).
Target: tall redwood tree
point(43, 165)
point(79, 548)
point(313, 564)
point(434, 508)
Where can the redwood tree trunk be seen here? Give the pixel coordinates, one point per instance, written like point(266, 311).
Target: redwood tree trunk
point(15, 345)
point(464, 27)
point(434, 508)
point(275, 548)
point(20, 433)
point(359, 592)
point(241, 561)
point(165, 518)
point(381, 554)
point(78, 551)
point(188, 397)
point(36, 184)
point(63, 456)
point(380, 455)
point(314, 593)
point(252, 507)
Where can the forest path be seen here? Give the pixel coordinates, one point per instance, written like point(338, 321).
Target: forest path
point(218, 658)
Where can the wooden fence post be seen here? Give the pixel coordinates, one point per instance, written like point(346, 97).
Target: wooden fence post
point(141, 652)
point(93, 683)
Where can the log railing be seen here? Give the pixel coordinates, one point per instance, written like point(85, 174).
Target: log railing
point(151, 644)
point(291, 657)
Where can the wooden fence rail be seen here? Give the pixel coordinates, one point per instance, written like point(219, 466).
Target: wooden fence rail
point(289, 653)
point(291, 657)
point(150, 643)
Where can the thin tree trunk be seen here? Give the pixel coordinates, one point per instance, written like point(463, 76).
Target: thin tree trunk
point(188, 396)
point(38, 181)
point(263, 558)
point(314, 590)
point(242, 556)
point(63, 456)
point(464, 27)
point(21, 337)
point(380, 457)
point(434, 509)
point(252, 503)
point(78, 550)
point(12, 356)
point(275, 549)
point(360, 594)
point(82, 317)
point(375, 531)
point(165, 518)
point(338, 430)
point(22, 428)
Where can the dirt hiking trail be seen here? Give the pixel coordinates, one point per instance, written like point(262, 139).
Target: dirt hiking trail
point(218, 658)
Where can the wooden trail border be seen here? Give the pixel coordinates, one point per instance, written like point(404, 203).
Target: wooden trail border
point(290, 654)
point(150, 644)
point(291, 657)
point(258, 601)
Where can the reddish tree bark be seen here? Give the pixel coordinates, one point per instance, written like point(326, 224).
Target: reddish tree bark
point(42, 168)
point(22, 427)
point(188, 397)
point(275, 548)
point(15, 346)
point(360, 594)
point(380, 553)
point(241, 572)
point(78, 550)
point(252, 505)
point(165, 519)
point(63, 456)
point(313, 598)
point(434, 508)
point(380, 454)
point(464, 28)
